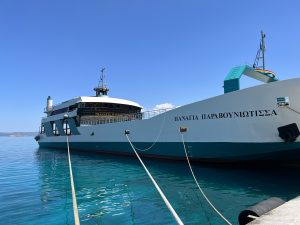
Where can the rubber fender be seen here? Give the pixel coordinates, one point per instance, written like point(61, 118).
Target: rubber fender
point(289, 133)
point(259, 209)
point(37, 137)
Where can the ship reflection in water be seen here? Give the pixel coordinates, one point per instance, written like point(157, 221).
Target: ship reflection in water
point(116, 190)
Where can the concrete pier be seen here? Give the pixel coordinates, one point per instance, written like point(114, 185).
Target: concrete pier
point(286, 214)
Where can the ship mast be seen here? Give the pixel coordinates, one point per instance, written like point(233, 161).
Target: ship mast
point(260, 53)
point(101, 89)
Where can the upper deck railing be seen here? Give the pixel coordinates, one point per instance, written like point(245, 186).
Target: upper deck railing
point(121, 118)
point(152, 113)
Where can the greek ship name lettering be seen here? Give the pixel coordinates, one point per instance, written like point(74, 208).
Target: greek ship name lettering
point(184, 118)
point(227, 115)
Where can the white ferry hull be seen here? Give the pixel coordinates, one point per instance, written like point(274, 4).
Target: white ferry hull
point(241, 125)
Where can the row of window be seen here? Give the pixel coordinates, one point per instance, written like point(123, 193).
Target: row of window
point(66, 128)
point(106, 105)
point(55, 130)
point(97, 106)
point(99, 112)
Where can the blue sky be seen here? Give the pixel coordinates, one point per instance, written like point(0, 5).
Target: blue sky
point(154, 51)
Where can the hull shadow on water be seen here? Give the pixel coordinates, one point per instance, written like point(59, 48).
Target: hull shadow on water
point(116, 190)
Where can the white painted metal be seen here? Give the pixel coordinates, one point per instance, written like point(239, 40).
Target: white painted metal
point(49, 104)
point(102, 99)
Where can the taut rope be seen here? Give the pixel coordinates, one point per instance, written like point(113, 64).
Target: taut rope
point(202, 192)
point(75, 209)
point(176, 217)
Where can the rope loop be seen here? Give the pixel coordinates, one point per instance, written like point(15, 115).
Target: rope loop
point(157, 137)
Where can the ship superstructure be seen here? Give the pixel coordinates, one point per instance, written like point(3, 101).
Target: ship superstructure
point(87, 110)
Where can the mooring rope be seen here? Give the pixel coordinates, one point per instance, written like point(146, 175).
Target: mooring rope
point(66, 202)
point(156, 139)
point(75, 209)
point(293, 110)
point(202, 192)
point(176, 217)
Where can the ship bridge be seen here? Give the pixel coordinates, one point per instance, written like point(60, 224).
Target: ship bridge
point(232, 80)
point(257, 71)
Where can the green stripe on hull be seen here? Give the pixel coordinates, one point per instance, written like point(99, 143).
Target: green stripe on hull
point(197, 151)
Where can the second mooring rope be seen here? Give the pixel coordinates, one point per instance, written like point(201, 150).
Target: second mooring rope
point(202, 192)
point(156, 139)
point(293, 110)
point(75, 208)
point(176, 217)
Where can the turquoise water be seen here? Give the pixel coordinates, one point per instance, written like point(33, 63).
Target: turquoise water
point(35, 188)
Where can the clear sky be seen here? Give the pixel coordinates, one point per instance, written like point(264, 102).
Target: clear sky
point(154, 51)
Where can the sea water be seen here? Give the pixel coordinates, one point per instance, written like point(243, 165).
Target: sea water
point(35, 188)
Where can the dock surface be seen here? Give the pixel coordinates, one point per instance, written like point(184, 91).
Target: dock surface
point(286, 214)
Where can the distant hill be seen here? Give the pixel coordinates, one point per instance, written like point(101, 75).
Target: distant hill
point(18, 134)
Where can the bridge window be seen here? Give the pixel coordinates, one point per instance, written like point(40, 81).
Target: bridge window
point(66, 127)
point(42, 129)
point(54, 128)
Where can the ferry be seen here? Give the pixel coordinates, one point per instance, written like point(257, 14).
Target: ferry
point(259, 123)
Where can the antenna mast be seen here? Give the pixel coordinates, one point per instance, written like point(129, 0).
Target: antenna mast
point(260, 53)
point(101, 89)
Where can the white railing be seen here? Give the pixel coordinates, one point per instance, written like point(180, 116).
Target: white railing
point(112, 119)
point(152, 113)
point(122, 118)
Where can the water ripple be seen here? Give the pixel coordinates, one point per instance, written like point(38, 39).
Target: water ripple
point(35, 188)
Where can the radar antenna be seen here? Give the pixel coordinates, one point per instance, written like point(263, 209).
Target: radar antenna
point(101, 89)
point(260, 53)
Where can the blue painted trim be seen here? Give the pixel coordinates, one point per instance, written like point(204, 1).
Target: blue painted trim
point(232, 80)
point(48, 129)
point(60, 128)
point(72, 124)
point(197, 151)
